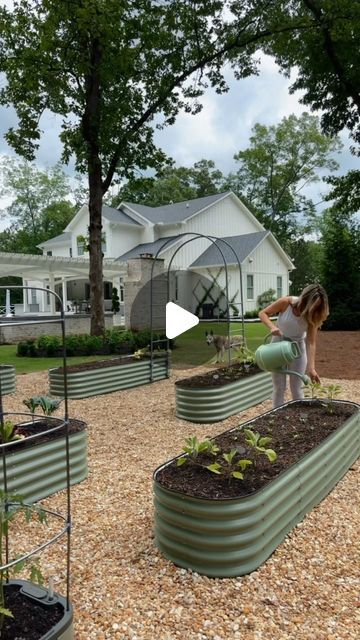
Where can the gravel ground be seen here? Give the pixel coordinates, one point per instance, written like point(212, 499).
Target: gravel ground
point(122, 587)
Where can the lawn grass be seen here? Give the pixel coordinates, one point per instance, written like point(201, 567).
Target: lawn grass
point(28, 365)
point(191, 347)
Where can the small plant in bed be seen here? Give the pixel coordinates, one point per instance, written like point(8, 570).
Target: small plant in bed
point(39, 425)
point(293, 430)
point(241, 367)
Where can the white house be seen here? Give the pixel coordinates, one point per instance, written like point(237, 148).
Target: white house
point(133, 230)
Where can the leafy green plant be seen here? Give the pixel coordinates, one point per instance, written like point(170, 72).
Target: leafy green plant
point(313, 390)
point(231, 467)
point(259, 444)
point(331, 391)
point(194, 447)
point(47, 404)
point(7, 432)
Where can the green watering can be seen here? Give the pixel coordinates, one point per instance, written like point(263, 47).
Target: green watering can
point(277, 355)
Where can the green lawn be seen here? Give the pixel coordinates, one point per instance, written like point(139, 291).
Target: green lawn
point(191, 348)
point(27, 365)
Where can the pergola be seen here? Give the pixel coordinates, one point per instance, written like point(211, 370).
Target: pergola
point(55, 270)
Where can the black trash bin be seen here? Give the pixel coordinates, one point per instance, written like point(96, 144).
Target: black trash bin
point(208, 311)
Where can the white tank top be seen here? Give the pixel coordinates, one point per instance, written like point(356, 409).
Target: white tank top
point(290, 325)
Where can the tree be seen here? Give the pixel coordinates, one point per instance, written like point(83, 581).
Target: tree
point(173, 184)
point(108, 68)
point(281, 161)
point(306, 255)
point(326, 55)
point(40, 206)
point(341, 260)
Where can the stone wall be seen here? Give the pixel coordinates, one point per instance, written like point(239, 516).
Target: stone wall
point(73, 324)
point(137, 294)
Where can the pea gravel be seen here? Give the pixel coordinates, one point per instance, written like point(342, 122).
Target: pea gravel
point(122, 587)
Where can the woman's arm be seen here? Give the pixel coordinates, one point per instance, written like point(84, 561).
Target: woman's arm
point(275, 307)
point(311, 352)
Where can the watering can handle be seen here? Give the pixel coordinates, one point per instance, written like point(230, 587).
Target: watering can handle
point(269, 335)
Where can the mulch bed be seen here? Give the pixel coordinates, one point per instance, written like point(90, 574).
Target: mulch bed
point(338, 354)
point(295, 430)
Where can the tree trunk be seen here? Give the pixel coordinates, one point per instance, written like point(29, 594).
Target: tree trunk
point(95, 249)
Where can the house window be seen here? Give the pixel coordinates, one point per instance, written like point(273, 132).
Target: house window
point(176, 287)
point(121, 292)
point(107, 290)
point(250, 287)
point(48, 296)
point(279, 288)
point(49, 253)
point(80, 245)
point(70, 252)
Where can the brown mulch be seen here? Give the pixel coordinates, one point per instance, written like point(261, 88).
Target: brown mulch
point(338, 354)
point(124, 589)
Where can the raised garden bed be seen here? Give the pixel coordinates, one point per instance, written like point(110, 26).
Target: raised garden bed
point(36, 468)
point(106, 376)
point(8, 378)
point(35, 617)
point(218, 394)
point(223, 528)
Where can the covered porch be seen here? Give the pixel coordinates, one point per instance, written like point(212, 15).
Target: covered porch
point(66, 276)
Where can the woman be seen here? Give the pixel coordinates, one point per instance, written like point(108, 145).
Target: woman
point(299, 319)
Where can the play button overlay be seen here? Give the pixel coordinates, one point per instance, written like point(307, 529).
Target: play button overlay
point(178, 320)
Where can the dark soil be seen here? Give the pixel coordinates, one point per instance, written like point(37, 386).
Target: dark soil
point(101, 364)
point(38, 427)
point(295, 429)
point(31, 619)
point(221, 376)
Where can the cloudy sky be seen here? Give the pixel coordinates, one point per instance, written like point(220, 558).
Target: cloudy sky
point(217, 133)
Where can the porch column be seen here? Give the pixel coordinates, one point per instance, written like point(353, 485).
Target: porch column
point(25, 296)
point(43, 297)
point(7, 304)
point(52, 298)
point(64, 293)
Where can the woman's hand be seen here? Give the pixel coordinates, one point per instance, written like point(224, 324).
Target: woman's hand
point(313, 375)
point(275, 331)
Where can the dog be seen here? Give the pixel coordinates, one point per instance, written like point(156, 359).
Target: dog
point(222, 344)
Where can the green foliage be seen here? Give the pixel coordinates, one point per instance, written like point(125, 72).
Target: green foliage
point(115, 301)
point(11, 505)
point(273, 171)
point(341, 319)
point(330, 391)
point(231, 466)
point(259, 444)
point(49, 345)
point(307, 258)
point(47, 404)
point(7, 432)
point(194, 447)
point(313, 390)
point(266, 298)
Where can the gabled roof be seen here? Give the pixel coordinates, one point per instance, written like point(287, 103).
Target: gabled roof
point(242, 245)
point(148, 247)
point(63, 238)
point(176, 212)
point(118, 216)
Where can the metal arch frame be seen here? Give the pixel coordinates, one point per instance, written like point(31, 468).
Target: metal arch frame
point(214, 240)
point(65, 422)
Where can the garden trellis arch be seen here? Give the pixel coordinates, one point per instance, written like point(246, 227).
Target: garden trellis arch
point(214, 240)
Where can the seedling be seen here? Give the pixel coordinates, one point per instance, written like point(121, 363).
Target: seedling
point(232, 468)
point(331, 391)
point(47, 404)
point(313, 390)
point(7, 432)
point(259, 444)
point(193, 447)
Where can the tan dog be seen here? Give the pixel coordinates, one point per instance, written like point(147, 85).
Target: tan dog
point(222, 344)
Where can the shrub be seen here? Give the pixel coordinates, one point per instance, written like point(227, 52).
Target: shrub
point(22, 349)
point(252, 314)
point(49, 345)
point(341, 319)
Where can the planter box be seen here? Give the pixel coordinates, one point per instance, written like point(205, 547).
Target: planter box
point(8, 378)
point(64, 629)
point(94, 382)
point(232, 537)
point(39, 471)
point(219, 402)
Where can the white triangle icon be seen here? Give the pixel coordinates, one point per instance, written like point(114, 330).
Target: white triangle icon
point(178, 320)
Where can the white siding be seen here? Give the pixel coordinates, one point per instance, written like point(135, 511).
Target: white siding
point(224, 218)
point(58, 250)
point(266, 266)
point(122, 239)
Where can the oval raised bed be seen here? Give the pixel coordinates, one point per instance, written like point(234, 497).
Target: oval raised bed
point(232, 536)
point(211, 403)
point(39, 470)
point(31, 606)
point(106, 376)
point(8, 378)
